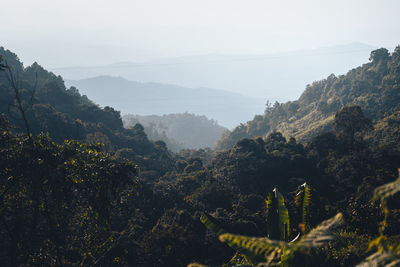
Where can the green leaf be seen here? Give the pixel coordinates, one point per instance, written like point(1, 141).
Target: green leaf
point(273, 251)
point(278, 216)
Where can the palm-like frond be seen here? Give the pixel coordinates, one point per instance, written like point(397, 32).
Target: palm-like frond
point(278, 216)
point(212, 224)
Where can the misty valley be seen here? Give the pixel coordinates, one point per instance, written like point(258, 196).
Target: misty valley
point(109, 170)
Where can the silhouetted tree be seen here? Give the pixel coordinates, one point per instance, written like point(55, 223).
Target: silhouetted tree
point(379, 54)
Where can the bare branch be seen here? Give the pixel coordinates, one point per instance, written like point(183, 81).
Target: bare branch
point(15, 84)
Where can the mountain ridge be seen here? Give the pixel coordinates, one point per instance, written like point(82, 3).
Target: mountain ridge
point(371, 86)
point(227, 108)
point(276, 76)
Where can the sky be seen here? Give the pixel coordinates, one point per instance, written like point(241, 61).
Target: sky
point(59, 33)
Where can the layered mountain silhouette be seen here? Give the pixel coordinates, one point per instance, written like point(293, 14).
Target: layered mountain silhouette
point(130, 97)
point(275, 76)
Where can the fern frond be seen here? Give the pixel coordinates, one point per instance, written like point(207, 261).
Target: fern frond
point(255, 247)
point(305, 206)
point(302, 202)
point(321, 234)
point(258, 248)
point(378, 259)
point(212, 224)
point(384, 192)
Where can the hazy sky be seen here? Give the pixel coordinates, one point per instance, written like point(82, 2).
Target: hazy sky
point(86, 32)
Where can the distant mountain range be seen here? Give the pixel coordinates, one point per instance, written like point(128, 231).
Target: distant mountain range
point(130, 97)
point(278, 76)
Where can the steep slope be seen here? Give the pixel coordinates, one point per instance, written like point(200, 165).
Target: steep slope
point(374, 86)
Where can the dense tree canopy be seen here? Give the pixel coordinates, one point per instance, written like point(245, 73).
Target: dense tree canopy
point(59, 201)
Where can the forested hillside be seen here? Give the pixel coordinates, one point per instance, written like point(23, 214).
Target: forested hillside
point(77, 189)
point(179, 131)
point(374, 86)
point(51, 107)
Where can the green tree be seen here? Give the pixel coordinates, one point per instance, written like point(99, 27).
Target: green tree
point(350, 120)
